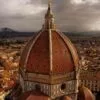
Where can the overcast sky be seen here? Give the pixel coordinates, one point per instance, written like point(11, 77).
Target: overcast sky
point(70, 15)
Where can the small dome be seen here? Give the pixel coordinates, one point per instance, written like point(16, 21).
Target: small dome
point(66, 98)
point(34, 95)
point(85, 94)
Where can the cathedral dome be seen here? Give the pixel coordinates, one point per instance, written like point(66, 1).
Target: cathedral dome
point(49, 51)
point(49, 63)
point(85, 94)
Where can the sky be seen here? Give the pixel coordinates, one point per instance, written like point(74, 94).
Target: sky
point(70, 15)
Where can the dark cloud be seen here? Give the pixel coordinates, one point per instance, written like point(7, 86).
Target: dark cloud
point(70, 15)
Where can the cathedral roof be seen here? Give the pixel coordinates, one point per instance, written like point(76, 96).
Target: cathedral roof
point(33, 95)
point(49, 51)
point(85, 94)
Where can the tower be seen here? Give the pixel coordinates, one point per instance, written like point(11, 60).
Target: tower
point(49, 62)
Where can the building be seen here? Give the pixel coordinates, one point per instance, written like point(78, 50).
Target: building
point(49, 66)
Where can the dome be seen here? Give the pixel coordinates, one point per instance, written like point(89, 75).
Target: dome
point(49, 51)
point(49, 62)
point(85, 94)
point(33, 95)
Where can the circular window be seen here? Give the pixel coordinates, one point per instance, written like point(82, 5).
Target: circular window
point(63, 86)
point(37, 87)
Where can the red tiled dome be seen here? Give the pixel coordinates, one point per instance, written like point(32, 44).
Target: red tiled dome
point(49, 52)
point(33, 95)
point(85, 94)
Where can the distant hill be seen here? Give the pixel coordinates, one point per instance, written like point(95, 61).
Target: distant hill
point(6, 29)
point(90, 33)
point(10, 33)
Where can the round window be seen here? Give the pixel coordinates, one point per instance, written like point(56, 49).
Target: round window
point(63, 87)
point(37, 87)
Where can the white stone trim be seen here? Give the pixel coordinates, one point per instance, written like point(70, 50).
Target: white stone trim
point(50, 47)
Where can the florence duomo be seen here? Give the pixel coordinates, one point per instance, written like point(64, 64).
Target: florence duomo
point(48, 65)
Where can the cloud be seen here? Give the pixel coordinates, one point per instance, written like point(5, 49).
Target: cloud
point(70, 15)
point(90, 2)
point(80, 17)
point(77, 1)
point(20, 7)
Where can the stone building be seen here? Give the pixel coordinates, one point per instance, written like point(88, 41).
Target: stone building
point(91, 79)
point(49, 66)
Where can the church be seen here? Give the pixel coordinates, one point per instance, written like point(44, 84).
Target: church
point(50, 66)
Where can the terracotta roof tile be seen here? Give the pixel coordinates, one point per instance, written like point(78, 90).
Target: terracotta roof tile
point(49, 52)
point(85, 94)
point(34, 95)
